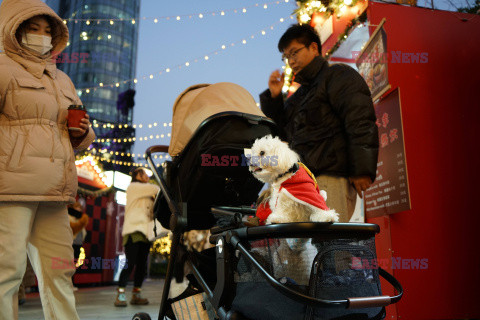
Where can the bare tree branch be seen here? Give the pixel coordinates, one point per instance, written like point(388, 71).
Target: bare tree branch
point(470, 5)
point(450, 2)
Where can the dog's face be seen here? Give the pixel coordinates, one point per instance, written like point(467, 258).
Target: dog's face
point(271, 157)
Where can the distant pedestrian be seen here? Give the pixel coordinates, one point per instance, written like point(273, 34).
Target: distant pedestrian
point(138, 219)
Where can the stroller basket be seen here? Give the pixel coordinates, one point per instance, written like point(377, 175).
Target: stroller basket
point(299, 271)
point(331, 266)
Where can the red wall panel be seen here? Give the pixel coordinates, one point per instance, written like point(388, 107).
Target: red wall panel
point(440, 110)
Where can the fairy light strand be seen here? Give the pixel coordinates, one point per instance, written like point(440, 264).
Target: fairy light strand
point(154, 125)
point(117, 162)
point(123, 154)
point(109, 125)
point(178, 17)
point(134, 139)
point(204, 57)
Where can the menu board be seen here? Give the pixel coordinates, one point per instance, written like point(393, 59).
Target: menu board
point(389, 193)
point(372, 63)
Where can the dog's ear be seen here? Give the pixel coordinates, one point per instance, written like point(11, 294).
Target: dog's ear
point(279, 140)
point(287, 157)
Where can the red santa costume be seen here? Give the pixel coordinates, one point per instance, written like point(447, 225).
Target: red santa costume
point(300, 187)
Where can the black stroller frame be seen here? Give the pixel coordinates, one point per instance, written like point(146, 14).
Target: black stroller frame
point(230, 240)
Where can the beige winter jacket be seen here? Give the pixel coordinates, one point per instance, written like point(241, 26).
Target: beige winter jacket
point(139, 209)
point(37, 162)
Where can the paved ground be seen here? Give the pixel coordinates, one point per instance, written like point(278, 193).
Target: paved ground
point(97, 303)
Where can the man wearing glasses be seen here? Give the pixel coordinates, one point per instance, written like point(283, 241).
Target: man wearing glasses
point(329, 121)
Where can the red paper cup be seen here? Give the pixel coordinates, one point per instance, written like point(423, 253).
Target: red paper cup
point(75, 114)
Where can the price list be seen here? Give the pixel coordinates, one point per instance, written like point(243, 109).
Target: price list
point(389, 193)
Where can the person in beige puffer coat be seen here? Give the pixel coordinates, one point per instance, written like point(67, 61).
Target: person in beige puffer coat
point(37, 162)
point(137, 235)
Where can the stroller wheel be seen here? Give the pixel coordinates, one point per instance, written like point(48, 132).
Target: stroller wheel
point(141, 316)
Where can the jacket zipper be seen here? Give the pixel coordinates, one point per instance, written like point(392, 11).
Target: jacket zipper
point(66, 157)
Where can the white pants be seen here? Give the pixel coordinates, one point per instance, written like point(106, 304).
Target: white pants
point(41, 230)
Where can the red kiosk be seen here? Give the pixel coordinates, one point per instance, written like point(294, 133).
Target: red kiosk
point(102, 244)
point(428, 237)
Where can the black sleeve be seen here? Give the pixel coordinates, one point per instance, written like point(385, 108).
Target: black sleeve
point(351, 99)
point(274, 109)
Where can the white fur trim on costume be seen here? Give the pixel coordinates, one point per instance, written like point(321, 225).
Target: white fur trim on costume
point(320, 215)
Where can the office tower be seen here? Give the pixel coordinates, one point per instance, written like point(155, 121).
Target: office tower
point(101, 56)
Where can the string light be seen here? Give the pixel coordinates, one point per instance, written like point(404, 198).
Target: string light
point(95, 159)
point(179, 66)
point(200, 15)
point(95, 124)
point(154, 125)
point(143, 138)
point(308, 8)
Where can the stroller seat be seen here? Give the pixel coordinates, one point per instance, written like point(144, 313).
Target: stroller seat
point(212, 124)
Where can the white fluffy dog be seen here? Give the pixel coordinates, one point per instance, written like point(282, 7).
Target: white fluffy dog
point(295, 196)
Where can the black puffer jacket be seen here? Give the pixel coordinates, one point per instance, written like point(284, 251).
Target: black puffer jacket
point(329, 120)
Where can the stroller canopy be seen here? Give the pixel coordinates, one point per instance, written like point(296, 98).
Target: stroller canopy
point(201, 101)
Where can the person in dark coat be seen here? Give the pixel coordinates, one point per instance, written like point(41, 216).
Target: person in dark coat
point(329, 121)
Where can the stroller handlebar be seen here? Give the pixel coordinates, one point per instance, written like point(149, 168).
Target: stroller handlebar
point(245, 210)
point(156, 149)
point(176, 211)
point(309, 229)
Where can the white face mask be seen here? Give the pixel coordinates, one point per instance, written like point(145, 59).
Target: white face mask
point(38, 43)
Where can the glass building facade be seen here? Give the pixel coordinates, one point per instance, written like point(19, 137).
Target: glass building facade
point(100, 52)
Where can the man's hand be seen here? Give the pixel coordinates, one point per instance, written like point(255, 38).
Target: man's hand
point(84, 125)
point(275, 83)
point(360, 183)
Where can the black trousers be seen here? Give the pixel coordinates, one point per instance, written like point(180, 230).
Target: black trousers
point(136, 254)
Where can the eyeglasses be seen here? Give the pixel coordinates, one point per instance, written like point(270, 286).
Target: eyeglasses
point(293, 55)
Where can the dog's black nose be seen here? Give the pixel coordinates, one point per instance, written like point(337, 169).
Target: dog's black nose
point(262, 153)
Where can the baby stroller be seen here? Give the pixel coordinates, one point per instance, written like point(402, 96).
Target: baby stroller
point(280, 271)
